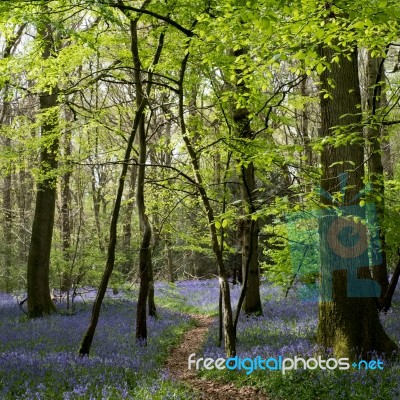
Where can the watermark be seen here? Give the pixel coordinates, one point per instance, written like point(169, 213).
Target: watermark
point(283, 364)
point(346, 237)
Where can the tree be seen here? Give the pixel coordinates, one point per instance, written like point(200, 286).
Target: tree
point(39, 298)
point(349, 325)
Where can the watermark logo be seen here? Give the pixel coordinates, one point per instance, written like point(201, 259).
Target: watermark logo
point(283, 364)
point(346, 237)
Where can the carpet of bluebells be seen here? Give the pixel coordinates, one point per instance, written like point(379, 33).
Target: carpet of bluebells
point(288, 328)
point(38, 358)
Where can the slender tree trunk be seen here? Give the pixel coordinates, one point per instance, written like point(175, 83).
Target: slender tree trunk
point(170, 262)
point(374, 78)
point(229, 333)
point(145, 257)
point(249, 238)
point(66, 214)
point(7, 225)
point(96, 197)
point(348, 318)
point(88, 337)
point(5, 119)
point(127, 226)
point(39, 299)
point(7, 202)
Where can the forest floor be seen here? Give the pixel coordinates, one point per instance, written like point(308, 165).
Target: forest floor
point(177, 365)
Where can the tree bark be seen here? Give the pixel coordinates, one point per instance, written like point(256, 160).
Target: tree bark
point(349, 325)
point(39, 299)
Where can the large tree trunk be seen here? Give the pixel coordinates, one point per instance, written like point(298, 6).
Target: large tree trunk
point(348, 318)
point(249, 236)
point(39, 299)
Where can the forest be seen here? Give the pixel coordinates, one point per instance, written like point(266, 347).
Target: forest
point(198, 199)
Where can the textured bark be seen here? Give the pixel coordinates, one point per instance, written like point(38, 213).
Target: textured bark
point(39, 298)
point(349, 325)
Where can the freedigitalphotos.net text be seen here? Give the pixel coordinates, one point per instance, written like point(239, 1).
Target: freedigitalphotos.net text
point(280, 363)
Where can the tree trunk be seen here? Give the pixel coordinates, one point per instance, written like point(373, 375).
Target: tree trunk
point(374, 78)
point(5, 119)
point(7, 225)
point(229, 333)
point(65, 284)
point(127, 226)
point(88, 337)
point(348, 318)
point(39, 299)
point(249, 237)
point(170, 261)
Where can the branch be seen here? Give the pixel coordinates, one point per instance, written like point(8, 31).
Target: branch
point(123, 8)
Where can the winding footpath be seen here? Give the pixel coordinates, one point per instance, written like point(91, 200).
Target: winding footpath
point(177, 365)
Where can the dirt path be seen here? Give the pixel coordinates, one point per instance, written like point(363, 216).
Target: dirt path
point(177, 365)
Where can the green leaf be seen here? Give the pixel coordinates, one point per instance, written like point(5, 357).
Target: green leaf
point(320, 69)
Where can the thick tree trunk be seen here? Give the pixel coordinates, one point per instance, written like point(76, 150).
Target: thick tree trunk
point(348, 318)
point(39, 299)
point(249, 235)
